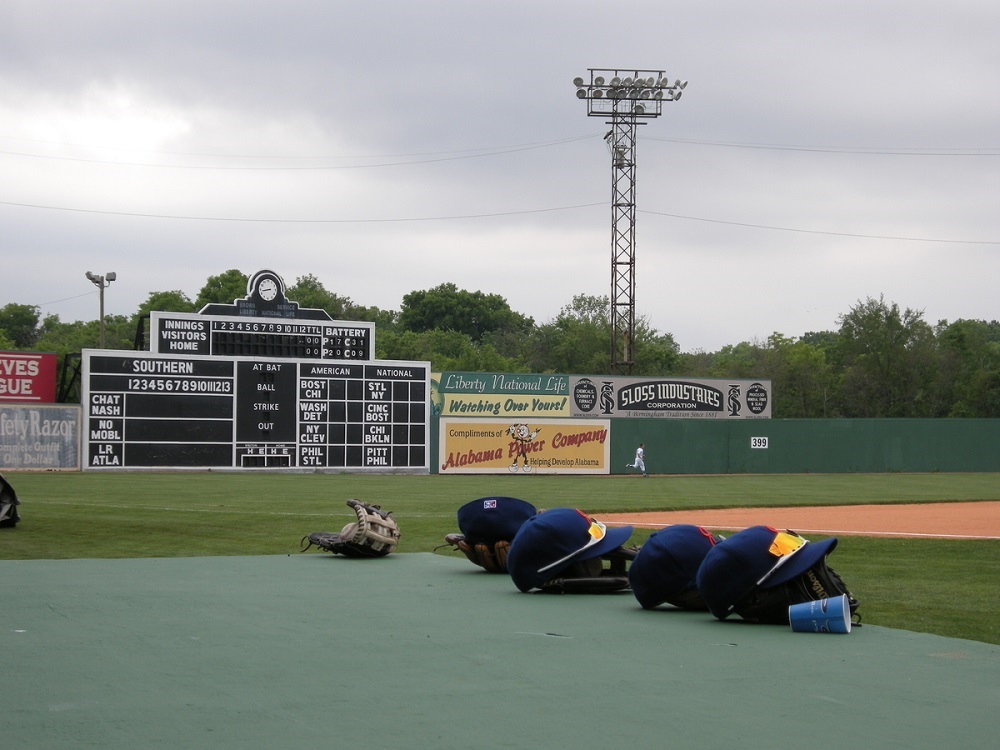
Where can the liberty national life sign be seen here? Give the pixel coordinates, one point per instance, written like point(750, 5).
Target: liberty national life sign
point(677, 398)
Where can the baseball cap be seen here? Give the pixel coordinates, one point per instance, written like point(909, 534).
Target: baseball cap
point(665, 567)
point(551, 541)
point(759, 556)
point(489, 520)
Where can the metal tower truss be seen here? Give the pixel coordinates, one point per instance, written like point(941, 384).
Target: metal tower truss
point(621, 143)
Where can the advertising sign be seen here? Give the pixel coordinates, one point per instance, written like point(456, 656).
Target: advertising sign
point(39, 437)
point(500, 394)
point(667, 397)
point(544, 446)
point(28, 377)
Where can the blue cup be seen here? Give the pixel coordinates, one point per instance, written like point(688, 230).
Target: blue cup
point(821, 616)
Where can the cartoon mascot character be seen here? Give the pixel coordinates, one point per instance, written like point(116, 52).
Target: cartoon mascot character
point(522, 435)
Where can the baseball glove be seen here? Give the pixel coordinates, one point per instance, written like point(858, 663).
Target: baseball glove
point(374, 534)
point(591, 577)
point(770, 605)
point(491, 557)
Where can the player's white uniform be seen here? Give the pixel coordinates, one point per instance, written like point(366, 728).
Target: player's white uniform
point(640, 462)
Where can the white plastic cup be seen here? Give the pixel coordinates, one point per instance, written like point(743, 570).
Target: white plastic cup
point(821, 616)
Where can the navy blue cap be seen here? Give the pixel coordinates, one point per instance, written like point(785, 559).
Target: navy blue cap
point(756, 557)
point(666, 566)
point(489, 520)
point(551, 541)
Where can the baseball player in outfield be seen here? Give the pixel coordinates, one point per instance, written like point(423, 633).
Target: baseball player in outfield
point(640, 460)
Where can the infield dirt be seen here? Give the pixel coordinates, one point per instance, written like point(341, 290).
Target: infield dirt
point(935, 520)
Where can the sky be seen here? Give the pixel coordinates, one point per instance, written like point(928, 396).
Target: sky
point(821, 154)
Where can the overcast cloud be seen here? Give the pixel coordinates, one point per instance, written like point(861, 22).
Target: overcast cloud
point(822, 153)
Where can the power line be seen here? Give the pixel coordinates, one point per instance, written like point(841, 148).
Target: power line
point(863, 150)
point(388, 220)
point(412, 158)
point(552, 209)
point(499, 149)
point(819, 231)
point(445, 156)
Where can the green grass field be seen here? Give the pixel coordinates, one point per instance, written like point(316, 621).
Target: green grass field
point(947, 587)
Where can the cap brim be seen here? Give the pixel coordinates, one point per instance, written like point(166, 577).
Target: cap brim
point(803, 559)
point(614, 538)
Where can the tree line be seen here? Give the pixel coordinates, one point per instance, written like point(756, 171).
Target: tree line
point(881, 362)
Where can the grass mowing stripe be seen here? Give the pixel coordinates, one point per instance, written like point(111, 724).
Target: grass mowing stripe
point(238, 512)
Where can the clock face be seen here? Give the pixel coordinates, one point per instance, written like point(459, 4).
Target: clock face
point(267, 289)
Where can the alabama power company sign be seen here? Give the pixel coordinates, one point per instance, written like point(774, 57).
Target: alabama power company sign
point(543, 446)
point(670, 398)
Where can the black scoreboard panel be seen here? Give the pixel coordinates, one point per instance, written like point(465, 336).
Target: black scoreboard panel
point(144, 410)
point(191, 333)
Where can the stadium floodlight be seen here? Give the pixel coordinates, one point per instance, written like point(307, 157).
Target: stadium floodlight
point(102, 283)
point(626, 97)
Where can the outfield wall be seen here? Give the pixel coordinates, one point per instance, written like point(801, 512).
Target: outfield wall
point(782, 446)
point(793, 446)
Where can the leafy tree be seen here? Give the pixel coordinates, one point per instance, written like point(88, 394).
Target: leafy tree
point(309, 291)
point(887, 358)
point(691, 364)
point(655, 353)
point(223, 289)
point(64, 338)
point(882, 362)
point(445, 350)
point(801, 379)
point(578, 340)
point(448, 308)
point(173, 301)
point(384, 320)
point(19, 323)
point(744, 360)
point(970, 368)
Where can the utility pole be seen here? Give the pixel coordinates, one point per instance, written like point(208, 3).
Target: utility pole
point(102, 283)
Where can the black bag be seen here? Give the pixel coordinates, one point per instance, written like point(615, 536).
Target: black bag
point(8, 504)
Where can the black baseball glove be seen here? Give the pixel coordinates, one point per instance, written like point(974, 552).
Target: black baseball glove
point(770, 605)
point(592, 577)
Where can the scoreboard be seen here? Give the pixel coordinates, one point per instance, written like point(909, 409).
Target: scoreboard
point(144, 410)
point(192, 333)
point(261, 383)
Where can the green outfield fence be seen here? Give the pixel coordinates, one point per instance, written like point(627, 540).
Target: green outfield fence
point(794, 446)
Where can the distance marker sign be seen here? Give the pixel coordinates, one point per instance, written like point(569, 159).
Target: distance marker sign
point(144, 410)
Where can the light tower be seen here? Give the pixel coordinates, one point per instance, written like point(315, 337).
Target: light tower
point(627, 97)
point(102, 283)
